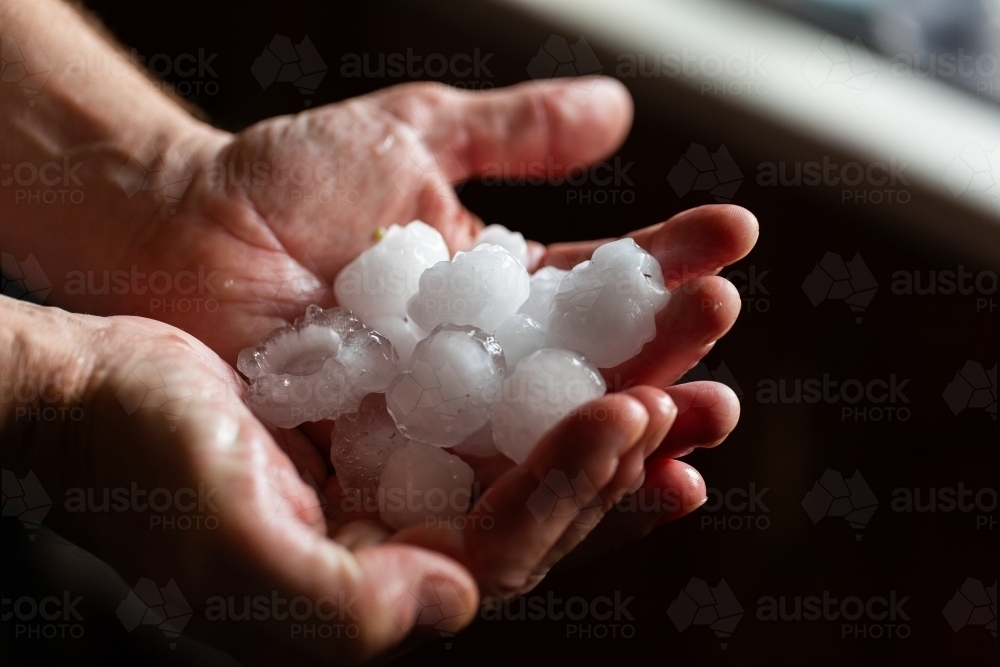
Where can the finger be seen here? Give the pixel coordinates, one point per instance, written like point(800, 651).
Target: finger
point(707, 414)
point(694, 318)
point(559, 125)
point(693, 243)
point(530, 507)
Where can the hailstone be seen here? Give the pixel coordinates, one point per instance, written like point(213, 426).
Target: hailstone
point(317, 368)
point(606, 308)
point(544, 283)
point(382, 279)
point(512, 242)
point(480, 288)
point(443, 394)
point(362, 443)
point(543, 389)
point(423, 484)
point(519, 336)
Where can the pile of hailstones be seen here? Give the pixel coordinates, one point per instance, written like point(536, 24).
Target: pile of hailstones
point(431, 361)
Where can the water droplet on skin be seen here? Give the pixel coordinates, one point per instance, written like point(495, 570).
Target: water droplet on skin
point(386, 144)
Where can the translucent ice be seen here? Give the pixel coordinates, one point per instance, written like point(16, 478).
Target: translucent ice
point(519, 336)
point(512, 242)
point(383, 278)
point(317, 368)
point(544, 283)
point(606, 308)
point(443, 394)
point(361, 444)
point(422, 482)
point(480, 288)
point(543, 389)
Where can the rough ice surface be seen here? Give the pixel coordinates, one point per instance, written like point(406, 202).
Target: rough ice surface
point(519, 335)
point(543, 389)
point(544, 283)
point(480, 288)
point(512, 242)
point(382, 279)
point(423, 483)
point(606, 308)
point(362, 443)
point(480, 444)
point(317, 368)
point(443, 394)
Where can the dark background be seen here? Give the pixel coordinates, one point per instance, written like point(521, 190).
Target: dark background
point(784, 448)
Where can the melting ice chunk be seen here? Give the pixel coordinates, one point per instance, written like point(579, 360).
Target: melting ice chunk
point(443, 394)
point(512, 242)
point(421, 482)
point(543, 389)
point(362, 443)
point(317, 368)
point(480, 288)
point(606, 308)
point(382, 279)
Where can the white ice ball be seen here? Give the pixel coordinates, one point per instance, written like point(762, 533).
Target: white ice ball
point(421, 483)
point(480, 288)
point(606, 308)
point(544, 283)
point(382, 279)
point(443, 394)
point(512, 242)
point(543, 389)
